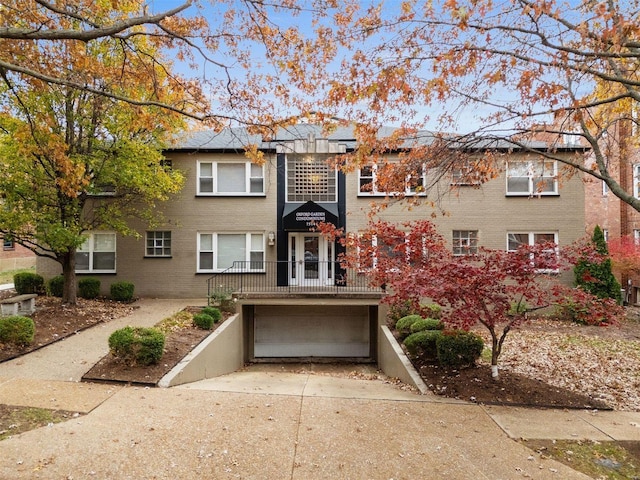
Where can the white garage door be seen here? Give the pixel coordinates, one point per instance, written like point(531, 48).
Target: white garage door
point(311, 331)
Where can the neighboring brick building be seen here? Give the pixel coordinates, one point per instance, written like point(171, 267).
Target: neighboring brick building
point(616, 218)
point(14, 256)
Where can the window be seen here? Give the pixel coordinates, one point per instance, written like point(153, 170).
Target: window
point(636, 180)
point(97, 254)
point(527, 177)
point(8, 244)
point(218, 251)
point(158, 244)
point(378, 180)
point(465, 173)
point(230, 178)
point(515, 240)
point(310, 177)
point(465, 242)
point(605, 189)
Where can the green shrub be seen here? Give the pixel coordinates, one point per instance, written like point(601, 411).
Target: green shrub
point(89, 287)
point(399, 310)
point(403, 326)
point(17, 330)
point(122, 291)
point(433, 310)
point(426, 324)
point(55, 285)
point(203, 321)
point(457, 348)
point(213, 312)
point(423, 343)
point(137, 345)
point(28, 282)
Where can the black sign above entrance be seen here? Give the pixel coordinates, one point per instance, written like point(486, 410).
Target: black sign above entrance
point(303, 218)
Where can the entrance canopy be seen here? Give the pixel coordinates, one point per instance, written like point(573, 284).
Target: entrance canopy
point(302, 218)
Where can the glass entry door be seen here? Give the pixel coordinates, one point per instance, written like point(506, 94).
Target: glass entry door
point(311, 260)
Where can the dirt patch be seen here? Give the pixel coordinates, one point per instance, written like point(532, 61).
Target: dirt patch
point(605, 460)
point(177, 345)
point(15, 420)
point(54, 320)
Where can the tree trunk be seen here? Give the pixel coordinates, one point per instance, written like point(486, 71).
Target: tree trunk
point(495, 353)
point(69, 291)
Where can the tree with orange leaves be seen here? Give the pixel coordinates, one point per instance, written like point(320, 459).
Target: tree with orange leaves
point(563, 72)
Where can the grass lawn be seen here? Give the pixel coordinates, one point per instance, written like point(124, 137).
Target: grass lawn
point(7, 276)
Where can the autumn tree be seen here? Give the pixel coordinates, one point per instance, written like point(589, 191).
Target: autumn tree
point(497, 290)
point(503, 74)
point(90, 95)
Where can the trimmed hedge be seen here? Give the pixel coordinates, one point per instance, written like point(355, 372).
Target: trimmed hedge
point(17, 330)
point(423, 343)
point(28, 282)
point(457, 348)
point(203, 321)
point(426, 324)
point(213, 312)
point(122, 291)
point(403, 326)
point(89, 287)
point(137, 345)
point(55, 286)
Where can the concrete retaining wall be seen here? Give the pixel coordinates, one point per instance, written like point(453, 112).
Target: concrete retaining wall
point(220, 353)
point(394, 363)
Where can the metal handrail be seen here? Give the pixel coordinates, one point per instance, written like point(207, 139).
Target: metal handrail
point(245, 277)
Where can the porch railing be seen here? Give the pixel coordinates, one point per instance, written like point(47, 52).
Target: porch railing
point(305, 277)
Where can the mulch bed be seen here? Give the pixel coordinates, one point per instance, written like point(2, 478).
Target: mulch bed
point(177, 345)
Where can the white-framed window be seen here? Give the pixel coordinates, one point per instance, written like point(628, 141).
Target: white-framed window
point(158, 244)
point(532, 177)
point(230, 178)
point(636, 236)
point(516, 239)
point(311, 177)
point(97, 254)
point(605, 189)
point(636, 180)
point(465, 242)
point(372, 180)
point(217, 252)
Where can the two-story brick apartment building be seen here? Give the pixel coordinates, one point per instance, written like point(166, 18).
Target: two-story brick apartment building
point(248, 229)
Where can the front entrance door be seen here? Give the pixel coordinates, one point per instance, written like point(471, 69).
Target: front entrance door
point(311, 260)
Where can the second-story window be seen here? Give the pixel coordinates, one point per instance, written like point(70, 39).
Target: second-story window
point(230, 178)
point(382, 180)
point(310, 177)
point(532, 177)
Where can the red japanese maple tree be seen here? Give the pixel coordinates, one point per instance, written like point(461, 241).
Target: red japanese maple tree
point(496, 289)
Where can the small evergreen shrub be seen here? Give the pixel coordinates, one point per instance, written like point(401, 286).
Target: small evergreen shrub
point(55, 285)
point(423, 343)
point(203, 321)
point(403, 326)
point(17, 330)
point(433, 310)
point(89, 287)
point(122, 291)
point(213, 312)
point(137, 345)
point(458, 348)
point(28, 282)
point(426, 324)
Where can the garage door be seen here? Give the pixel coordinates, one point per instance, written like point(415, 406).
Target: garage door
point(311, 331)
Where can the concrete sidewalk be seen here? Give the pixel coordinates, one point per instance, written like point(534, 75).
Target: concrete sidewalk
point(269, 424)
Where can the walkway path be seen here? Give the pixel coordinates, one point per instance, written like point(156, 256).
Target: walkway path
point(270, 425)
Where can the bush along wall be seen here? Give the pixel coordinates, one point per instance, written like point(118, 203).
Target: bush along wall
point(137, 345)
point(28, 282)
